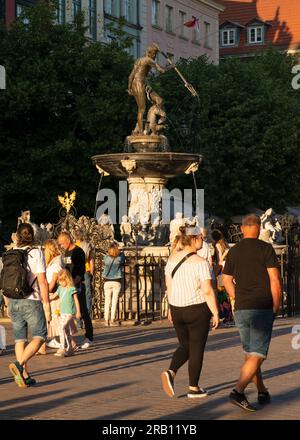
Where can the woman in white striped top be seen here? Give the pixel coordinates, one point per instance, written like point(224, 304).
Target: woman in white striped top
point(192, 303)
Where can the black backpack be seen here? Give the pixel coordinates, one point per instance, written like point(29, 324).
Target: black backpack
point(14, 275)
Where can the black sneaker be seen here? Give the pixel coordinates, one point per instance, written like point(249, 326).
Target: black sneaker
point(240, 400)
point(167, 383)
point(263, 397)
point(197, 394)
point(17, 371)
point(30, 381)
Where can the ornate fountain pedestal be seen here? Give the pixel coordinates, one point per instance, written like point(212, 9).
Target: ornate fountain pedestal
point(147, 174)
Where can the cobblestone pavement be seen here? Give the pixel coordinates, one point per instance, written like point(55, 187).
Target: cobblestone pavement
point(119, 378)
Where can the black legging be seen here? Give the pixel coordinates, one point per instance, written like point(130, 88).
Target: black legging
point(85, 314)
point(192, 326)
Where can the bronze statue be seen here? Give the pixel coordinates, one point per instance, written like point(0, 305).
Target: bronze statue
point(138, 87)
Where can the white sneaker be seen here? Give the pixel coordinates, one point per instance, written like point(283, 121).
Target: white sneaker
point(53, 344)
point(86, 344)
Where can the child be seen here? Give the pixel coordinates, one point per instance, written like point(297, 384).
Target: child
point(69, 308)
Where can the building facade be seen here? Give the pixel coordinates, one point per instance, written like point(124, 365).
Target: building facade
point(146, 21)
point(10, 9)
point(164, 24)
point(247, 27)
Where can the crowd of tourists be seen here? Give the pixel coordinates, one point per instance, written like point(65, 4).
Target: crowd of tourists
point(206, 283)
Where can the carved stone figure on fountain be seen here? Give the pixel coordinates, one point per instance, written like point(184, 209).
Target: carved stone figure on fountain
point(271, 231)
point(126, 231)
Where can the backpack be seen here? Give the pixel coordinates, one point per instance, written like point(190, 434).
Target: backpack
point(14, 275)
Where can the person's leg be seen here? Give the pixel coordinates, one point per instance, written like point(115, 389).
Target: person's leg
point(115, 297)
point(256, 343)
point(88, 292)
point(85, 315)
point(248, 371)
point(67, 331)
point(181, 354)
point(198, 321)
point(108, 291)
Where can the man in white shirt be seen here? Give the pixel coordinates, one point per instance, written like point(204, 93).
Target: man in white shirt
point(30, 313)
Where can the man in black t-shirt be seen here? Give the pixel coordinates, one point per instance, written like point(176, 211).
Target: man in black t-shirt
point(74, 259)
point(252, 279)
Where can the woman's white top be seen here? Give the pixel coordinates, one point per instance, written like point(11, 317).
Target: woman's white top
point(55, 266)
point(187, 282)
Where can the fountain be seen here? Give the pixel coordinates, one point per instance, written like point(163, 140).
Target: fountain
point(147, 161)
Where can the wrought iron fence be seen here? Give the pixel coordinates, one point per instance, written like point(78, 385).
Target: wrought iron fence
point(143, 293)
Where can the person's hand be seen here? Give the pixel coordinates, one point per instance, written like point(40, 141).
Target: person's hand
point(129, 92)
point(170, 316)
point(215, 321)
point(78, 315)
point(276, 310)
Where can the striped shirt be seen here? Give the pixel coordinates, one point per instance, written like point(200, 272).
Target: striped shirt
point(187, 282)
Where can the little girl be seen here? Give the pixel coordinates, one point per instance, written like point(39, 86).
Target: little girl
point(69, 308)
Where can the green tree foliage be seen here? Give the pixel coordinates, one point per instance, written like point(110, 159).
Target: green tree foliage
point(245, 124)
point(65, 101)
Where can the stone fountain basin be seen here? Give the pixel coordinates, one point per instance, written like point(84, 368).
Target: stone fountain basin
point(166, 164)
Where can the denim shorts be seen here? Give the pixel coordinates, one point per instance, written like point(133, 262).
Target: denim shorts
point(27, 314)
point(255, 327)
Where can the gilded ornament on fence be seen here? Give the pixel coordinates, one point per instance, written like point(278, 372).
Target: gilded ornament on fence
point(67, 201)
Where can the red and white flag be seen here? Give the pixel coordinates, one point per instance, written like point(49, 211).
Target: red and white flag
point(194, 23)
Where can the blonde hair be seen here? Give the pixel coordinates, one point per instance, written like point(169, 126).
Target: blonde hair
point(65, 275)
point(113, 250)
point(51, 250)
point(187, 235)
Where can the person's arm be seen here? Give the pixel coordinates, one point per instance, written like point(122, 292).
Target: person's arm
point(53, 296)
point(92, 265)
point(42, 281)
point(211, 301)
point(169, 291)
point(78, 314)
point(53, 282)
point(275, 282)
point(230, 289)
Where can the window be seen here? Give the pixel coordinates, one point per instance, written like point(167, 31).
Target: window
point(182, 18)
point(155, 13)
point(110, 7)
point(208, 35)
point(61, 11)
point(76, 7)
point(20, 9)
point(129, 10)
point(93, 18)
point(228, 37)
point(255, 34)
point(169, 19)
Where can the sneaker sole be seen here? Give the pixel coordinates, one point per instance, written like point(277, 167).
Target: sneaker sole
point(197, 396)
point(17, 376)
point(166, 384)
point(241, 406)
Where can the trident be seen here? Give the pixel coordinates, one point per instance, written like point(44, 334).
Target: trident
point(186, 83)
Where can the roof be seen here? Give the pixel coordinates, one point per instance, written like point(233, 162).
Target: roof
point(282, 18)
